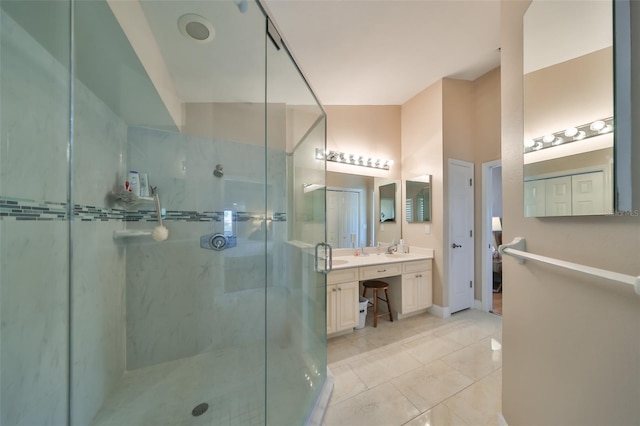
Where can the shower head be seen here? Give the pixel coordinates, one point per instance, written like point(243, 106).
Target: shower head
point(218, 171)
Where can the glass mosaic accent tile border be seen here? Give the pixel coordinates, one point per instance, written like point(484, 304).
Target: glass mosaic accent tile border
point(24, 209)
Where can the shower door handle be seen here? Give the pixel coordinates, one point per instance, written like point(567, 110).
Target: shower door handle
point(329, 252)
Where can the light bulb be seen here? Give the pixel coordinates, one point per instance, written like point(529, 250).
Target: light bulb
point(548, 138)
point(581, 135)
point(596, 126)
point(529, 143)
point(606, 129)
point(571, 132)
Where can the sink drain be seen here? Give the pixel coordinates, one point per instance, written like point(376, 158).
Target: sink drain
point(200, 409)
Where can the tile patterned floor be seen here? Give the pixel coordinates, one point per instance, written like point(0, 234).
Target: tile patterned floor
point(422, 370)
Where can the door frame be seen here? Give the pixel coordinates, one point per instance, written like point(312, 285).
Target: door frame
point(487, 229)
point(471, 266)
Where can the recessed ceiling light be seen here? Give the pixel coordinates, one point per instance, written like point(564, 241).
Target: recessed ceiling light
point(196, 28)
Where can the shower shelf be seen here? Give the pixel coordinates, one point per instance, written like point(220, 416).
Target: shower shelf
point(130, 234)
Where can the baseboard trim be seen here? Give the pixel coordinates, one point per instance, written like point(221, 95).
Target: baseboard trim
point(439, 311)
point(501, 420)
point(477, 304)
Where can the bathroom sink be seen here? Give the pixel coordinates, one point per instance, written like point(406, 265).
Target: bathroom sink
point(337, 262)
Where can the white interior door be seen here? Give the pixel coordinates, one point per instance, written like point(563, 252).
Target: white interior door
point(588, 194)
point(534, 198)
point(461, 261)
point(333, 218)
point(343, 218)
point(558, 196)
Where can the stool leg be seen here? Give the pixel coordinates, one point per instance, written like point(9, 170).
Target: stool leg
point(375, 307)
point(386, 293)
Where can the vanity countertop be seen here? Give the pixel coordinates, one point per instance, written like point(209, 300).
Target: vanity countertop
point(343, 259)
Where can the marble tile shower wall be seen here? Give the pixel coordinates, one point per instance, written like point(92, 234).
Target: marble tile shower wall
point(181, 299)
point(34, 227)
point(99, 272)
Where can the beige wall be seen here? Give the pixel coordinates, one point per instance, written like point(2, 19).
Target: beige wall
point(457, 116)
point(571, 344)
point(458, 144)
point(422, 153)
point(486, 139)
point(571, 93)
point(450, 119)
point(372, 130)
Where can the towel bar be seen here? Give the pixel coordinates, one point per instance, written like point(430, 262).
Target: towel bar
point(517, 249)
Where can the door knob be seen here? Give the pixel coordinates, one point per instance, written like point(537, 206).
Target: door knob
point(454, 245)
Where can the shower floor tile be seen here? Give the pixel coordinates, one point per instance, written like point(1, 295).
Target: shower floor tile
point(165, 394)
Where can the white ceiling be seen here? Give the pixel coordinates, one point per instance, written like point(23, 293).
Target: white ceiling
point(353, 52)
point(383, 52)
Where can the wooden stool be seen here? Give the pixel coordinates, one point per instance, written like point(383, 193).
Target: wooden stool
point(375, 286)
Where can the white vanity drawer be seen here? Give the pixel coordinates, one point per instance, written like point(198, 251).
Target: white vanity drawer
point(415, 266)
point(342, 275)
point(379, 271)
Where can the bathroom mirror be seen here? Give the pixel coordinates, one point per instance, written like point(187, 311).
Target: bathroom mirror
point(568, 108)
point(418, 199)
point(388, 202)
point(352, 206)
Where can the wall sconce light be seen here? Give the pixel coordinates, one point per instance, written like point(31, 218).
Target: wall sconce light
point(353, 159)
point(572, 134)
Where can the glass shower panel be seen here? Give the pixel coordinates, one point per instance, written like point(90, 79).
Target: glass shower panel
point(296, 313)
point(34, 212)
point(169, 291)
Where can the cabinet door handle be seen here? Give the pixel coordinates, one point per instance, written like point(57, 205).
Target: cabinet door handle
point(334, 289)
point(339, 288)
point(384, 270)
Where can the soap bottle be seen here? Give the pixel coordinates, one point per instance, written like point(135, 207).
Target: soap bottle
point(133, 183)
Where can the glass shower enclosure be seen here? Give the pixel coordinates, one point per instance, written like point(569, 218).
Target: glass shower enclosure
point(162, 217)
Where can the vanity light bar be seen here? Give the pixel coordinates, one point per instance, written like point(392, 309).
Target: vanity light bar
point(353, 159)
point(572, 134)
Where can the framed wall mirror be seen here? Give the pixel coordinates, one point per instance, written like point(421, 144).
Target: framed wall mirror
point(352, 211)
point(418, 199)
point(388, 202)
point(568, 108)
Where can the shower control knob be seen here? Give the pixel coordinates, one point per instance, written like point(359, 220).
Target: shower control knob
point(217, 241)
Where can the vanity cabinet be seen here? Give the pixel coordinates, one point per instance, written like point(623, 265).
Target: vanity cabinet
point(415, 291)
point(342, 300)
point(410, 287)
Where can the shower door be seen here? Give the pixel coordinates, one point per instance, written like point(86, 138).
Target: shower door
point(296, 301)
point(159, 217)
point(34, 212)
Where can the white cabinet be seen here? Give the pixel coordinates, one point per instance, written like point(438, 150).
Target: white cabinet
point(342, 300)
point(415, 291)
